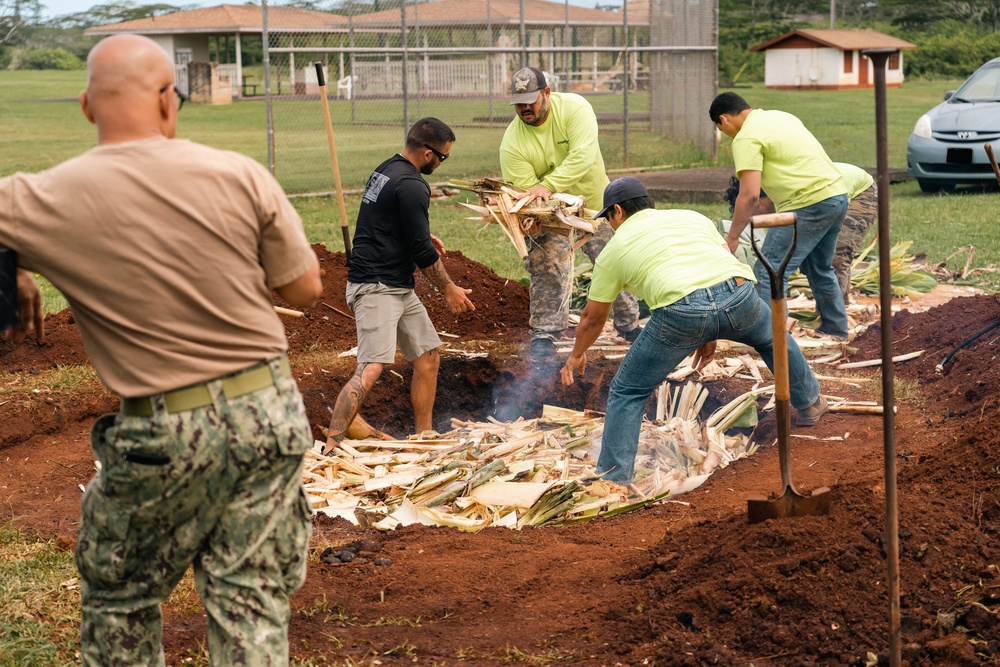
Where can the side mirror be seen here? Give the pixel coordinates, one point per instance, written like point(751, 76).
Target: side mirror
point(948, 95)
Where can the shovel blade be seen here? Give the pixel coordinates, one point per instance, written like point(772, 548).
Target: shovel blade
point(790, 503)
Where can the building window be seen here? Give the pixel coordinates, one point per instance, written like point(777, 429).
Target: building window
point(894, 60)
point(848, 62)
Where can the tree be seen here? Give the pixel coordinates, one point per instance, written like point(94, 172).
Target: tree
point(115, 12)
point(16, 18)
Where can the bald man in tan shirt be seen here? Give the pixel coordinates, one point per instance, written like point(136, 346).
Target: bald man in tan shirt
point(167, 252)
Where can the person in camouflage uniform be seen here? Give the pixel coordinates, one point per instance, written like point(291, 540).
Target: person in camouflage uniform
point(862, 210)
point(167, 252)
point(552, 147)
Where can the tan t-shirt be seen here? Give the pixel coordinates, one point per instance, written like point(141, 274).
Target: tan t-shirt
point(165, 250)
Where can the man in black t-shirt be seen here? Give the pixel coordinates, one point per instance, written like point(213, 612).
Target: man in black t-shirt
point(392, 238)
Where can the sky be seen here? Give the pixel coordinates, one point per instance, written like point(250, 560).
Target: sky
point(61, 7)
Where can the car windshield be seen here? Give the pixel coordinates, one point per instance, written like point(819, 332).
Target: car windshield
point(983, 86)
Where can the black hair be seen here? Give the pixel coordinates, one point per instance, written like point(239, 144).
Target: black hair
point(733, 191)
point(630, 206)
point(727, 103)
point(429, 131)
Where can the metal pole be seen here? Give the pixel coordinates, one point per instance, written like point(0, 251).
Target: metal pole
point(625, 84)
point(878, 58)
point(565, 41)
point(524, 39)
point(350, 41)
point(489, 57)
point(421, 66)
point(267, 86)
point(833, 14)
point(406, 63)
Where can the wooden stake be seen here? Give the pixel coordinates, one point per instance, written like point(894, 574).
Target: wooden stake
point(337, 310)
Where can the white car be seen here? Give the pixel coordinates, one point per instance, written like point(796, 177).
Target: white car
point(946, 146)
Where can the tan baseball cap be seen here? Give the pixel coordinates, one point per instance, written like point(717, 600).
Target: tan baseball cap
point(527, 83)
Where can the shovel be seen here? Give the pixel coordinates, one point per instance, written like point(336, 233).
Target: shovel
point(791, 502)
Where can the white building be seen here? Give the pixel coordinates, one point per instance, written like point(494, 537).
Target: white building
point(829, 59)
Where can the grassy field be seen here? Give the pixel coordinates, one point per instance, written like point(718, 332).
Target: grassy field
point(37, 134)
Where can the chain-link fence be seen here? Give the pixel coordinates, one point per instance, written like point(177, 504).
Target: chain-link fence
point(647, 67)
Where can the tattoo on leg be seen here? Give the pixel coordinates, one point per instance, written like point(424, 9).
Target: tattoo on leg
point(348, 404)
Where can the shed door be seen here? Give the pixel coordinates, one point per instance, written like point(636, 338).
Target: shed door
point(181, 59)
point(863, 70)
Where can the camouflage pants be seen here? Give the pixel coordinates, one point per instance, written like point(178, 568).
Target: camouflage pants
point(861, 214)
point(550, 267)
point(219, 487)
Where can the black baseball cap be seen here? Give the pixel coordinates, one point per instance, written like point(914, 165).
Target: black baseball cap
point(621, 190)
point(526, 84)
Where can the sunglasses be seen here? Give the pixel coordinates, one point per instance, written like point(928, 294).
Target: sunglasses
point(181, 97)
point(441, 156)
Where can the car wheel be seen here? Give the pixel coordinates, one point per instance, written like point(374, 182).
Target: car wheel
point(934, 187)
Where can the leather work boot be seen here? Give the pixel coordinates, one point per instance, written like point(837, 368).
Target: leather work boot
point(811, 415)
point(542, 349)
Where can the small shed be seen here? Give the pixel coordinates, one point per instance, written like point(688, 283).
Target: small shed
point(829, 59)
point(194, 35)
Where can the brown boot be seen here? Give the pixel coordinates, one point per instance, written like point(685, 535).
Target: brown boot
point(811, 415)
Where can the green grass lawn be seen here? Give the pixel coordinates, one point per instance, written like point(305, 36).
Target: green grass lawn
point(38, 134)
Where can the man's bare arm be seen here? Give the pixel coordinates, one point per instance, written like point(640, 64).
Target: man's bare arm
point(29, 306)
point(455, 296)
point(746, 206)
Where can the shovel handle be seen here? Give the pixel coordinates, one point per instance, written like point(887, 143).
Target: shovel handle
point(768, 220)
point(776, 274)
point(782, 390)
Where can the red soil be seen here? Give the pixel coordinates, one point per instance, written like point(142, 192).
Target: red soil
point(682, 583)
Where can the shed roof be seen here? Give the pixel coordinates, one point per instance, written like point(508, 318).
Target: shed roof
point(501, 12)
point(228, 19)
point(846, 40)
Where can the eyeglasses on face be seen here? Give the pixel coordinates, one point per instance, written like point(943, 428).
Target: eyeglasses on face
point(181, 97)
point(441, 156)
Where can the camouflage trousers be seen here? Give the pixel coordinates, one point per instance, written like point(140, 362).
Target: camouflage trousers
point(861, 214)
point(550, 267)
point(218, 487)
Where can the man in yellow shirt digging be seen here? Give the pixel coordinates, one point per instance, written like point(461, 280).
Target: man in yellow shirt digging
point(698, 292)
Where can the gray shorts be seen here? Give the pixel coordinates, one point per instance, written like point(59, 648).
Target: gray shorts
point(390, 316)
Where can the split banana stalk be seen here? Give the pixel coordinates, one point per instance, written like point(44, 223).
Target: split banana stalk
point(522, 473)
point(501, 204)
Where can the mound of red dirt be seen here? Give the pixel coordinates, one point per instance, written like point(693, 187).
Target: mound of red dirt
point(501, 306)
point(501, 313)
point(684, 583)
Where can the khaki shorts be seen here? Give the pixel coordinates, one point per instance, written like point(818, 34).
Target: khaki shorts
point(390, 316)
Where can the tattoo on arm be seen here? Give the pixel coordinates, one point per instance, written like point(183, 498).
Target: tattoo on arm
point(437, 275)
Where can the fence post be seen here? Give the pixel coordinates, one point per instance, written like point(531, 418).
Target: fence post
point(406, 63)
point(524, 39)
point(267, 86)
point(625, 84)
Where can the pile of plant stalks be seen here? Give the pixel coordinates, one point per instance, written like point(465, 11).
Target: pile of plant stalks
point(504, 205)
point(523, 473)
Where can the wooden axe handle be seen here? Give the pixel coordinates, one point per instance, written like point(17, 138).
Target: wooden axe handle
point(345, 231)
point(993, 161)
point(767, 220)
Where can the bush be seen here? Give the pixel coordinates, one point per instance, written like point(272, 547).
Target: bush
point(48, 59)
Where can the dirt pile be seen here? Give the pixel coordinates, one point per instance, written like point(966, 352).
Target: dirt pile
point(501, 306)
point(688, 582)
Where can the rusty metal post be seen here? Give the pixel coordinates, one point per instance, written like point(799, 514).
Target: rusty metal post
point(879, 58)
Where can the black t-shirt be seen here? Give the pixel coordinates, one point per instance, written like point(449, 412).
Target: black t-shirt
point(393, 234)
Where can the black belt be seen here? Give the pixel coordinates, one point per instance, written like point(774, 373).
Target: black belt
point(196, 396)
